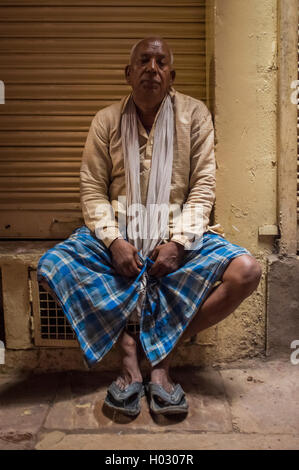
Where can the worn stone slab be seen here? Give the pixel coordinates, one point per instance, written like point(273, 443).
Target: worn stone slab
point(17, 441)
point(80, 405)
point(264, 400)
point(282, 304)
point(167, 441)
point(73, 409)
point(24, 403)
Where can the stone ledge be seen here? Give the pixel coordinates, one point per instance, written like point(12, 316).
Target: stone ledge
point(24, 252)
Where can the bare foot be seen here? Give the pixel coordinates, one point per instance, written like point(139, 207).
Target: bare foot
point(160, 375)
point(130, 366)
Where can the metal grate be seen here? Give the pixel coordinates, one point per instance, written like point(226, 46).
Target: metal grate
point(54, 324)
point(51, 327)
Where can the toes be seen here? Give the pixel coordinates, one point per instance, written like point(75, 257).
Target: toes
point(121, 383)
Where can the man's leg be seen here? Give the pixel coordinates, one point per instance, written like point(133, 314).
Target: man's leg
point(239, 280)
point(130, 362)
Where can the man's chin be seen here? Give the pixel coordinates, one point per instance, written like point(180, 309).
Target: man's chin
point(149, 94)
point(151, 85)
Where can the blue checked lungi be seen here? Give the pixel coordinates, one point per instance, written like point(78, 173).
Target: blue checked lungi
point(98, 302)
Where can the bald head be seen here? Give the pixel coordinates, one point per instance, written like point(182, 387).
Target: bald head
point(154, 41)
point(150, 72)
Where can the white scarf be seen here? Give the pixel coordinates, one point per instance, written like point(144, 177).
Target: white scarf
point(152, 225)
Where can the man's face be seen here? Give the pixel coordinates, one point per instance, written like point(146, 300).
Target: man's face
point(150, 73)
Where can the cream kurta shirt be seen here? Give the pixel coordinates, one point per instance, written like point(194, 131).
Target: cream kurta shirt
point(102, 175)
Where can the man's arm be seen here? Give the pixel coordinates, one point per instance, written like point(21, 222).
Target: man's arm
point(94, 183)
point(201, 197)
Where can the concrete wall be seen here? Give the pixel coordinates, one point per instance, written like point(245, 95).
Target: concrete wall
point(245, 119)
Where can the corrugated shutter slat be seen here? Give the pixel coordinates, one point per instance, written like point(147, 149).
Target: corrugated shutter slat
point(61, 62)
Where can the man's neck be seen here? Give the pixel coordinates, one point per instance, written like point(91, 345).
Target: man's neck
point(146, 113)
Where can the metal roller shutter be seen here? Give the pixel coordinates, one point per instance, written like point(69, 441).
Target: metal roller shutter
point(61, 62)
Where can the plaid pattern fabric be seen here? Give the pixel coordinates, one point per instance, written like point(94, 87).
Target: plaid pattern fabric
point(98, 302)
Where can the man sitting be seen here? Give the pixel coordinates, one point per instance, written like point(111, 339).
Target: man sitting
point(145, 258)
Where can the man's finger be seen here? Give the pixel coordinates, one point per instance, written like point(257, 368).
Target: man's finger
point(127, 270)
point(137, 259)
point(130, 273)
point(159, 273)
point(159, 270)
point(156, 267)
point(154, 254)
point(133, 269)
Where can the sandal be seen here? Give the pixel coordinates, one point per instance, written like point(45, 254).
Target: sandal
point(162, 402)
point(126, 401)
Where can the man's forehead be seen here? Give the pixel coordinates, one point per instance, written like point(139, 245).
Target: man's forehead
point(157, 46)
point(154, 43)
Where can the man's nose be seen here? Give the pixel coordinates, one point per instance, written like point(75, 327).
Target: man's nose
point(152, 65)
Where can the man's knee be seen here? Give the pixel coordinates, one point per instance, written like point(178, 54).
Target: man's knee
point(245, 273)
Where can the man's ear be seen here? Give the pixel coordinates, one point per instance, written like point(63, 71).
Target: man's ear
point(128, 74)
point(172, 75)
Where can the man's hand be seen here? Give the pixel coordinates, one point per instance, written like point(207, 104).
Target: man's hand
point(168, 258)
point(125, 258)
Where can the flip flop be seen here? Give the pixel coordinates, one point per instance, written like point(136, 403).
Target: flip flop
point(162, 402)
point(126, 401)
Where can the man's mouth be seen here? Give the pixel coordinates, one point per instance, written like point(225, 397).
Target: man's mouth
point(149, 80)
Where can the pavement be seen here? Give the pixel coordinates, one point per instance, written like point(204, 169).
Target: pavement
point(251, 404)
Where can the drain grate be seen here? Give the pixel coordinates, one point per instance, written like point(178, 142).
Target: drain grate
point(51, 327)
point(53, 322)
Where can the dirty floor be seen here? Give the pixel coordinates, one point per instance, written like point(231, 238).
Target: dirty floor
point(249, 405)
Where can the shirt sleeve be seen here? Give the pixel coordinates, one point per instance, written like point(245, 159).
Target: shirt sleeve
point(95, 175)
point(192, 222)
